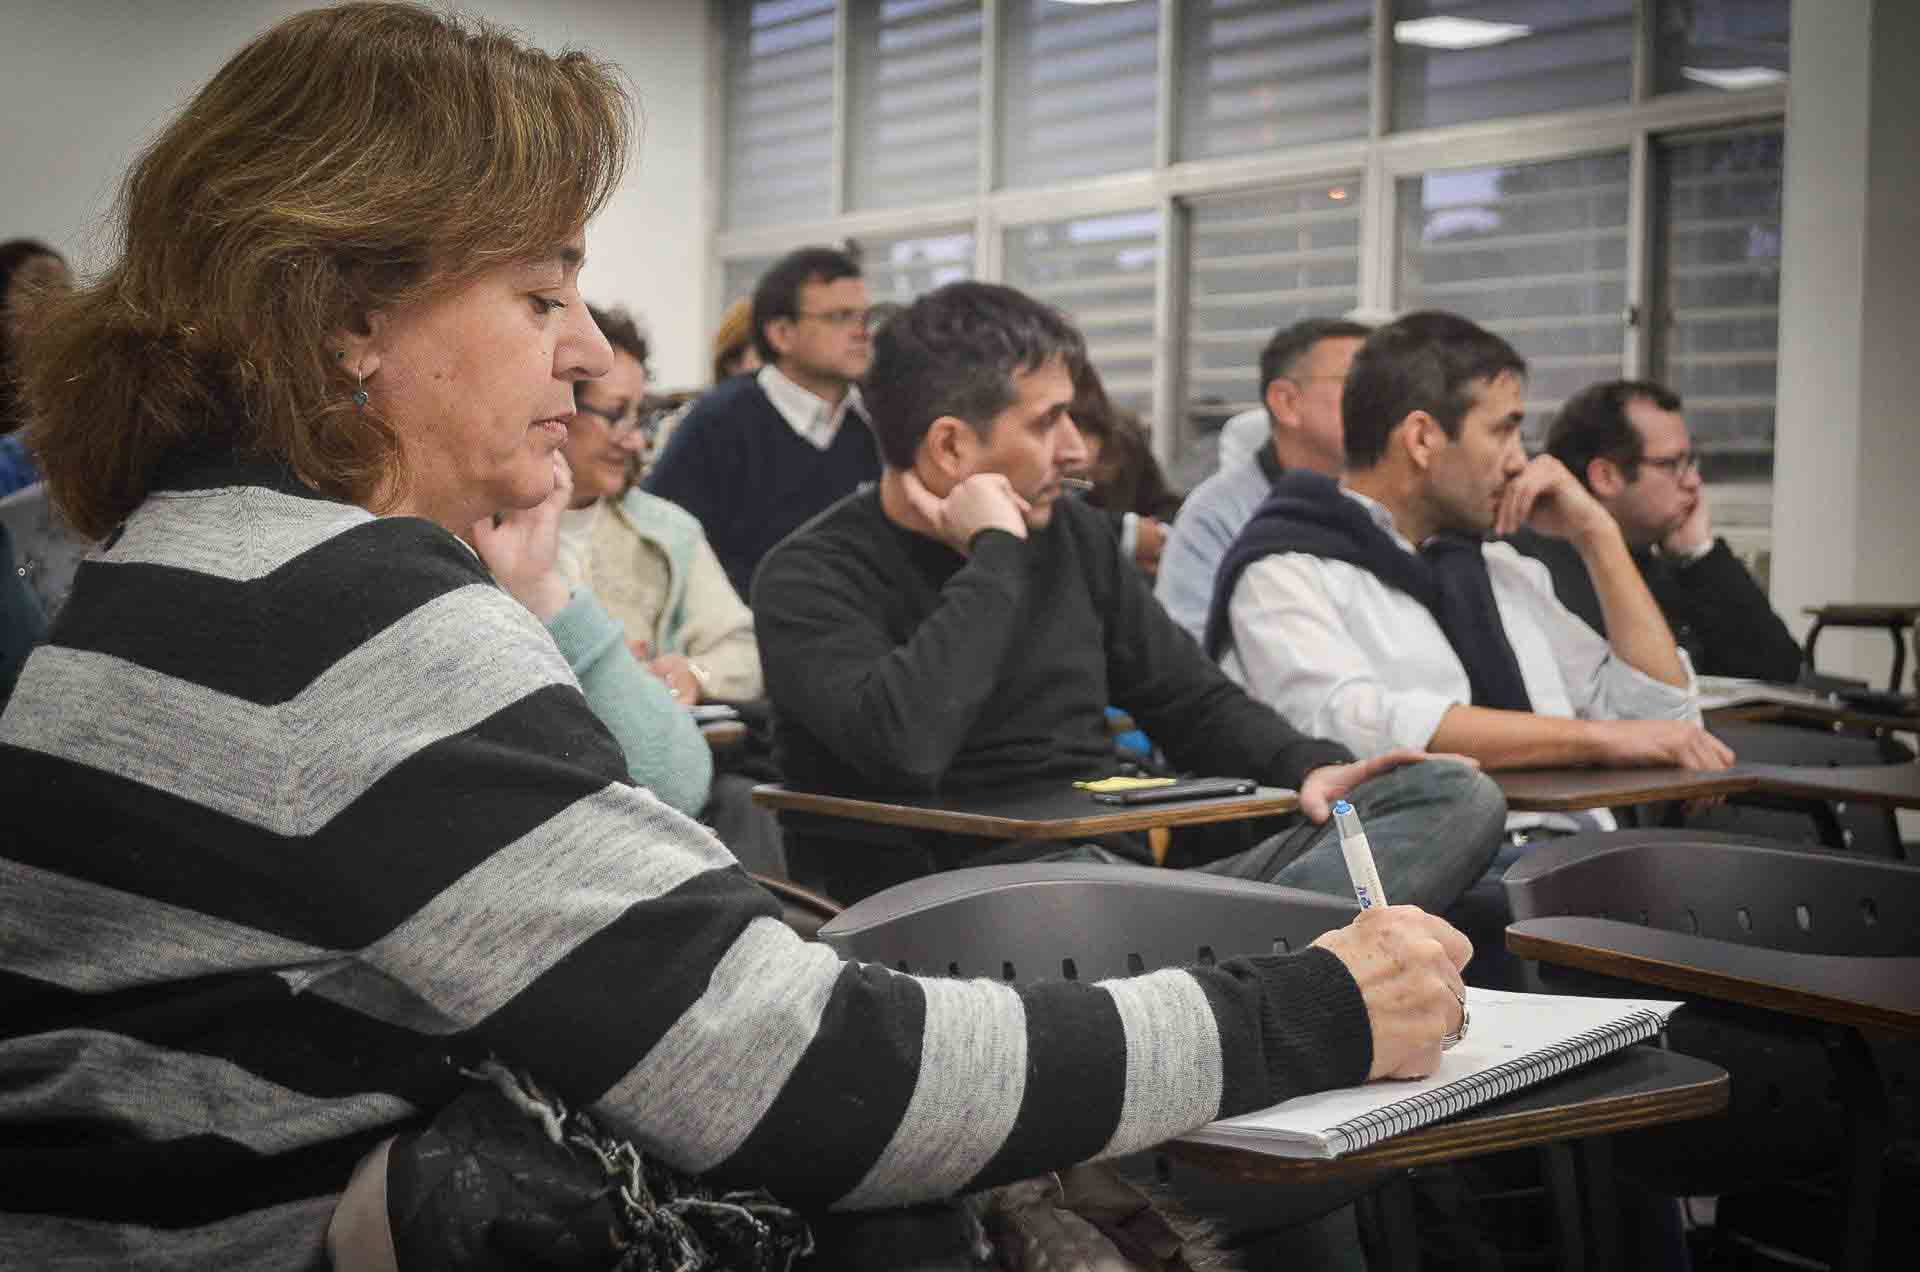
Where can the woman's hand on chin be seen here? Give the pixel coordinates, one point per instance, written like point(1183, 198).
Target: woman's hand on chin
point(523, 548)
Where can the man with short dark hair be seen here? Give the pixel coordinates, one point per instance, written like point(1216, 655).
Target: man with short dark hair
point(1302, 370)
point(961, 628)
point(1372, 609)
point(1628, 444)
point(760, 454)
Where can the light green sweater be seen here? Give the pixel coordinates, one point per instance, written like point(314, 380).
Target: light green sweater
point(664, 749)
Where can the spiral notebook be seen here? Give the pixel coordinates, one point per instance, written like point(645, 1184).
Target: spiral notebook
point(1515, 1040)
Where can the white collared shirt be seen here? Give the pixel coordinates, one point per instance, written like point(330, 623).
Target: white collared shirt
point(816, 422)
point(1344, 656)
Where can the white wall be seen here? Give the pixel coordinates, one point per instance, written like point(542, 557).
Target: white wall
point(85, 83)
point(1846, 520)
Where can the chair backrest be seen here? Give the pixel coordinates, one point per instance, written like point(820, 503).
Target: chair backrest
point(1043, 921)
point(1725, 887)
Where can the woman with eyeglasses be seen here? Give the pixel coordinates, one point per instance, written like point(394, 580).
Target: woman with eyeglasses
point(646, 558)
point(319, 872)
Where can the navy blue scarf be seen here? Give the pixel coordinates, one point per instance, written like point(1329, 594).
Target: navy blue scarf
point(1307, 513)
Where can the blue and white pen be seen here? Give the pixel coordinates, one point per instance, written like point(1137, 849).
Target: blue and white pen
point(1359, 855)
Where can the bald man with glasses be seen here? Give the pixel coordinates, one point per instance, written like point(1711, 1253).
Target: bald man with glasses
point(1628, 444)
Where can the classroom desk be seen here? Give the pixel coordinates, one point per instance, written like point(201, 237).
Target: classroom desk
point(1056, 811)
point(723, 735)
point(1575, 790)
point(1895, 620)
point(1866, 993)
point(1895, 785)
point(1823, 714)
point(1639, 1087)
point(1846, 994)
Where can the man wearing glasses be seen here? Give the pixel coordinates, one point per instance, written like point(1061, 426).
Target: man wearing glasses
point(761, 454)
point(1628, 444)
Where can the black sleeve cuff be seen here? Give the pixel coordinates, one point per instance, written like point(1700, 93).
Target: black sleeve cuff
point(1290, 767)
point(996, 549)
point(1313, 1024)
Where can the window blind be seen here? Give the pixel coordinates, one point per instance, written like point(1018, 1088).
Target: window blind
point(1256, 75)
point(913, 101)
point(1552, 55)
point(1535, 252)
point(1081, 89)
point(1100, 271)
point(1717, 281)
point(1259, 262)
point(899, 268)
point(779, 115)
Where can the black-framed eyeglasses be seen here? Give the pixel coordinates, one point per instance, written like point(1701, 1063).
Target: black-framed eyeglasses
point(838, 317)
point(619, 423)
point(1678, 467)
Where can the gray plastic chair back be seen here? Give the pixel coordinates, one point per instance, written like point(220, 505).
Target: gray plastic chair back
point(1727, 888)
point(1076, 921)
point(1864, 828)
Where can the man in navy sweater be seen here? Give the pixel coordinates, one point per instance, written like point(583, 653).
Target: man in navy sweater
point(959, 627)
point(760, 454)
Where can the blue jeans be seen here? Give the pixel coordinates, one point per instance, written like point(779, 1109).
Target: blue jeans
point(1434, 828)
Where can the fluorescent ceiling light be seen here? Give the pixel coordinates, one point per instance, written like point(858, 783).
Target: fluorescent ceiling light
point(1457, 33)
point(1735, 78)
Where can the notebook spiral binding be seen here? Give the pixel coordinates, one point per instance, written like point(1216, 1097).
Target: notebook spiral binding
point(1490, 1084)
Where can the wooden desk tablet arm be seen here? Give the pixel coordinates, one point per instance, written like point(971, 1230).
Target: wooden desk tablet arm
point(1867, 993)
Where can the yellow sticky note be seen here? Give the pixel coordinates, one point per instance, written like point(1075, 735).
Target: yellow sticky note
point(1106, 784)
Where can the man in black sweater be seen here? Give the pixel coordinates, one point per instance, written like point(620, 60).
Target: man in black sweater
point(1628, 444)
point(961, 627)
point(761, 453)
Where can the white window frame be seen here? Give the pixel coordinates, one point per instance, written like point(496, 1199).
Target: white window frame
point(1382, 157)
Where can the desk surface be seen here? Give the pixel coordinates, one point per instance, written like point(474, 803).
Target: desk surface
point(1896, 785)
point(1812, 713)
point(1872, 993)
point(1575, 790)
point(1056, 811)
point(724, 735)
point(1868, 615)
point(1641, 1086)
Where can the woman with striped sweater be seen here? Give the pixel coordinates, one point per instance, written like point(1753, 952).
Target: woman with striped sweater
point(307, 815)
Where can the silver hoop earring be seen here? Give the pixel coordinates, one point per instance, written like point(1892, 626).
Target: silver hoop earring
point(359, 395)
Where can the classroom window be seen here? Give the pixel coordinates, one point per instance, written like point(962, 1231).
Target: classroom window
point(1258, 262)
point(1100, 271)
point(1720, 46)
point(1716, 315)
point(1456, 61)
point(1258, 75)
point(779, 111)
point(1536, 252)
point(1080, 89)
point(899, 268)
point(913, 86)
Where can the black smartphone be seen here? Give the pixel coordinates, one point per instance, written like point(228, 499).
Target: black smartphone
point(1194, 788)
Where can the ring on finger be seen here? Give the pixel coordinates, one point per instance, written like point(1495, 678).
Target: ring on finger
point(1453, 1039)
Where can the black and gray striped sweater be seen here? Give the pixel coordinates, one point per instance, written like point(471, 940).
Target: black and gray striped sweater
point(302, 813)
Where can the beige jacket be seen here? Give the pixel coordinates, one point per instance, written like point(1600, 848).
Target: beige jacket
point(649, 564)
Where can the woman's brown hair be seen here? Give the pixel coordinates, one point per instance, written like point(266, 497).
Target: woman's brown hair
point(348, 160)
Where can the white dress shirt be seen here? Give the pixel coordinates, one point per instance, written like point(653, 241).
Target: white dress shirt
point(1342, 655)
point(812, 418)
